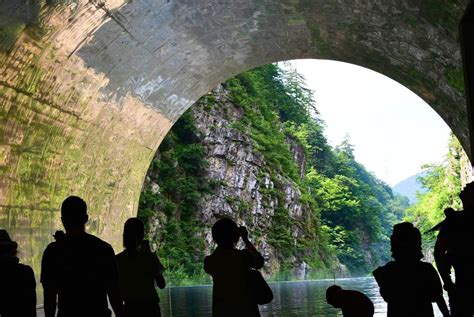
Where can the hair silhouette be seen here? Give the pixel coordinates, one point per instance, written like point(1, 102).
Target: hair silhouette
point(133, 234)
point(73, 212)
point(225, 232)
point(352, 303)
point(405, 242)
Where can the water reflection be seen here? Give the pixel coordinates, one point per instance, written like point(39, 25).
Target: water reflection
point(305, 298)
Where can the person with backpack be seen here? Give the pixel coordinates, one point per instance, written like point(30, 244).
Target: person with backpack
point(454, 248)
point(230, 267)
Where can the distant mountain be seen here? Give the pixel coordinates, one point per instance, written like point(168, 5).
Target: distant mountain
point(409, 187)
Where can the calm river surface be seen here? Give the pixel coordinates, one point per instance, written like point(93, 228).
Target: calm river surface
point(304, 298)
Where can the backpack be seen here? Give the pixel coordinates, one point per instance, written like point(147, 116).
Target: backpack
point(260, 291)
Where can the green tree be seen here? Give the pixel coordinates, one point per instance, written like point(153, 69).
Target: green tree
point(351, 212)
point(443, 184)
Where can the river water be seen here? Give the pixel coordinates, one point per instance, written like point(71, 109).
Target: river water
point(302, 298)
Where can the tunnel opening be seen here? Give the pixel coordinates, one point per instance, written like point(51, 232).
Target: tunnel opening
point(254, 149)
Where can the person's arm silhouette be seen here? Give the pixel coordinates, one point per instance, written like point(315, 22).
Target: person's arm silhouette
point(208, 267)
point(443, 307)
point(113, 291)
point(49, 281)
point(30, 292)
point(50, 294)
point(159, 268)
point(160, 281)
point(115, 301)
point(442, 262)
point(436, 291)
point(257, 258)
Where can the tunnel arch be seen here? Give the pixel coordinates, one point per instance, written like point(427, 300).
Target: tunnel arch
point(88, 89)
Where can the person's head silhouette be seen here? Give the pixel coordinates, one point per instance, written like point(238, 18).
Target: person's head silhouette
point(8, 247)
point(467, 196)
point(225, 233)
point(331, 295)
point(74, 214)
point(352, 302)
point(133, 234)
point(406, 242)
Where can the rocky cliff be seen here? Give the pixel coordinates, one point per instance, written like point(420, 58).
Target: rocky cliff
point(246, 190)
point(254, 150)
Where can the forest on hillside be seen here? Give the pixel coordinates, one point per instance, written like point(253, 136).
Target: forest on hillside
point(350, 211)
point(441, 182)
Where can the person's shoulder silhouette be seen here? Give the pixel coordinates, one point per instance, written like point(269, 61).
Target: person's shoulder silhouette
point(17, 281)
point(78, 268)
point(352, 303)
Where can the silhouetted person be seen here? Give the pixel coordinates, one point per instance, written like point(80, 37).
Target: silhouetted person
point(447, 212)
point(408, 285)
point(454, 249)
point(229, 268)
point(17, 282)
point(139, 269)
point(352, 303)
point(78, 271)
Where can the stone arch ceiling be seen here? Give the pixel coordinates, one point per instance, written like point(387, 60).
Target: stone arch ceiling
point(88, 89)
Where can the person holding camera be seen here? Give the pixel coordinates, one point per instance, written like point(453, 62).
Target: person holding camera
point(138, 271)
point(229, 269)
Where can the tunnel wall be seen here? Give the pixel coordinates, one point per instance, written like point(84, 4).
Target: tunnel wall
point(88, 89)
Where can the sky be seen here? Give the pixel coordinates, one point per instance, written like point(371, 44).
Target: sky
point(394, 132)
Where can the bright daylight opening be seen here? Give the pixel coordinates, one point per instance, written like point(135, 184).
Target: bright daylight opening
point(318, 159)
